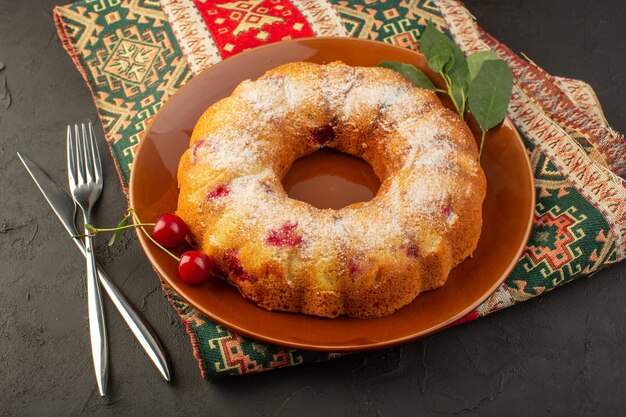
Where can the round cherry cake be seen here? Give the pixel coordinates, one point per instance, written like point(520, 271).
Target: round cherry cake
point(365, 260)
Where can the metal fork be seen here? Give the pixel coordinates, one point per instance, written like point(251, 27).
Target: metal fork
point(85, 180)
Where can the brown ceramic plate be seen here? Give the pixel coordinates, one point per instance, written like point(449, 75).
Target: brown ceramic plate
point(508, 210)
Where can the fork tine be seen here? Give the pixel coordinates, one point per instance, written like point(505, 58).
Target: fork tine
point(96, 154)
point(80, 160)
point(88, 155)
point(71, 158)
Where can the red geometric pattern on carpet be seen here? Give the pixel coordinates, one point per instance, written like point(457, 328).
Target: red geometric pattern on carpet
point(245, 24)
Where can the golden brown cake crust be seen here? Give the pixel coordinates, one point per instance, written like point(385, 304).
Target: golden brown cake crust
point(364, 260)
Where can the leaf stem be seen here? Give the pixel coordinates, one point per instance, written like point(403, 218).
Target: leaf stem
point(464, 98)
point(459, 110)
point(148, 235)
point(482, 143)
point(447, 80)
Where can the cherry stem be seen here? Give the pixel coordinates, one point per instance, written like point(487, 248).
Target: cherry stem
point(138, 223)
point(130, 226)
point(95, 230)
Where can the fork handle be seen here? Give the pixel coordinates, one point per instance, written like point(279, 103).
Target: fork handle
point(140, 327)
point(97, 327)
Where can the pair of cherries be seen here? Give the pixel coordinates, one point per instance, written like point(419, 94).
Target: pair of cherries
point(194, 266)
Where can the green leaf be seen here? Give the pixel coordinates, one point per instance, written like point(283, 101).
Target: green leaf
point(431, 45)
point(119, 230)
point(91, 228)
point(441, 57)
point(430, 37)
point(417, 77)
point(490, 93)
point(455, 69)
point(476, 60)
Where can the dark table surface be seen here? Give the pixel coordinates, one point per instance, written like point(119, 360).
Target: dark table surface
point(560, 354)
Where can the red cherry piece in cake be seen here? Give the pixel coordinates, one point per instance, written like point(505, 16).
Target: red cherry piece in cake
point(170, 230)
point(412, 251)
point(354, 267)
point(448, 213)
point(196, 147)
point(266, 187)
point(285, 237)
point(218, 192)
point(195, 267)
point(323, 135)
point(234, 268)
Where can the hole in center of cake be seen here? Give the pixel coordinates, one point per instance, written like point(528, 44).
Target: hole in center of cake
point(331, 179)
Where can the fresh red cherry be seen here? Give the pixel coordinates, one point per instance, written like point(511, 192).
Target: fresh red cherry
point(170, 230)
point(195, 267)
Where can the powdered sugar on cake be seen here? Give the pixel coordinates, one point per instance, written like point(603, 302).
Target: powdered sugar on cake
point(398, 104)
point(220, 154)
point(426, 213)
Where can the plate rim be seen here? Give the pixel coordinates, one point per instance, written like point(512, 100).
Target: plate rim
point(145, 242)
